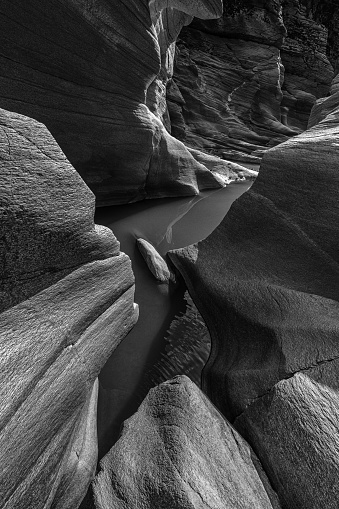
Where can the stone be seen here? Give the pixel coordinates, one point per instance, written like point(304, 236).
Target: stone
point(228, 170)
point(66, 303)
point(46, 228)
point(178, 451)
point(304, 54)
point(266, 283)
point(53, 346)
point(154, 261)
point(326, 106)
point(296, 423)
point(240, 86)
point(101, 94)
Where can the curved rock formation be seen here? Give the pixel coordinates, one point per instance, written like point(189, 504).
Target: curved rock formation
point(178, 452)
point(73, 66)
point(241, 86)
point(266, 282)
point(47, 228)
point(66, 302)
point(304, 54)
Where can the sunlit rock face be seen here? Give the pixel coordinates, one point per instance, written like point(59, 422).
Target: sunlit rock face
point(179, 452)
point(66, 303)
point(240, 85)
point(95, 73)
point(266, 283)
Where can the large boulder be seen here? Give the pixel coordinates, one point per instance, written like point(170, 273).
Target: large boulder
point(179, 452)
point(266, 282)
point(46, 210)
point(95, 74)
point(67, 302)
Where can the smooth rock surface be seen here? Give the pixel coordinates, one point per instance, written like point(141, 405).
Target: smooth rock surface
point(266, 283)
point(66, 302)
point(176, 452)
point(101, 91)
point(154, 261)
point(46, 213)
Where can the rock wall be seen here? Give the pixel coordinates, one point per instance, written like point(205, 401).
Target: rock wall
point(304, 54)
point(266, 283)
point(75, 66)
point(241, 86)
point(66, 303)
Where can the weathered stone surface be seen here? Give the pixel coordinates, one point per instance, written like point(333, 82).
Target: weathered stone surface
point(308, 72)
point(227, 170)
point(326, 106)
point(296, 425)
point(177, 451)
point(66, 302)
point(73, 66)
point(52, 349)
point(154, 261)
point(239, 87)
point(266, 282)
point(46, 211)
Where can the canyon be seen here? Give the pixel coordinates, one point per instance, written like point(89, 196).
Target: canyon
point(105, 103)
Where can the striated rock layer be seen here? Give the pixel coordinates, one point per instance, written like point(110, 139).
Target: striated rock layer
point(266, 282)
point(95, 74)
point(66, 302)
point(241, 86)
point(178, 452)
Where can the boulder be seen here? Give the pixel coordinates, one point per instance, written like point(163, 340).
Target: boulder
point(178, 451)
point(67, 302)
point(101, 91)
point(154, 261)
point(47, 228)
point(266, 283)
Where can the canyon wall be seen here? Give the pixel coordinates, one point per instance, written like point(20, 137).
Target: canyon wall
point(248, 80)
point(93, 72)
point(266, 283)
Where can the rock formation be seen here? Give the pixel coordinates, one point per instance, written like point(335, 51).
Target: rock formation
point(178, 452)
point(266, 282)
point(241, 86)
point(304, 55)
point(154, 261)
point(66, 302)
point(74, 66)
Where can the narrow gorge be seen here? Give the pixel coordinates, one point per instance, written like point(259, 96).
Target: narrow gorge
point(169, 305)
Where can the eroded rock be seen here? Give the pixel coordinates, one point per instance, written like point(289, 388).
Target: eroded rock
point(102, 93)
point(177, 451)
point(46, 210)
point(266, 283)
point(67, 302)
point(240, 85)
